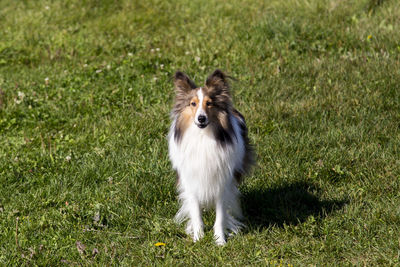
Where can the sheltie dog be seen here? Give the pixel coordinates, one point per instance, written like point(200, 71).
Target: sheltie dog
point(210, 151)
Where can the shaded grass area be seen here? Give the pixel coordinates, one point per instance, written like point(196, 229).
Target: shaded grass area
point(85, 95)
point(289, 204)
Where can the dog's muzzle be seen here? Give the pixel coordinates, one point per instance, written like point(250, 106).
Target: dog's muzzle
point(202, 121)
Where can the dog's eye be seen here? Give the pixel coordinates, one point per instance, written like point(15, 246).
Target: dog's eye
point(193, 104)
point(208, 103)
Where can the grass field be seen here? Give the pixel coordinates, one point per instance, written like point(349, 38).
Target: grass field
point(85, 94)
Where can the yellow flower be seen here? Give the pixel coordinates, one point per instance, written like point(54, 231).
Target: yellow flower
point(369, 37)
point(159, 244)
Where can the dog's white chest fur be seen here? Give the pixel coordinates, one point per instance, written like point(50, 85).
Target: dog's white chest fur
point(205, 167)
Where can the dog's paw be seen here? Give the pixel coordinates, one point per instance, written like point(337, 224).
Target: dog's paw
point(219, 237)
point(220, 241)
point(198, 234)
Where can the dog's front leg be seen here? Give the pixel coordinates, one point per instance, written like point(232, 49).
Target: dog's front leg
point(220, 221)
point(195, 223)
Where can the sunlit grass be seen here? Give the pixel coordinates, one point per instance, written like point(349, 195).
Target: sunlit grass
point(85, 96)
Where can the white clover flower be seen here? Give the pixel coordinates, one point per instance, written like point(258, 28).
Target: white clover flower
point(197, 59)
point(18, 100)
point(98, 71)
point(68, 158)
point(161, 66)
point(158, 49)
point(130, 54)
point(21, 95)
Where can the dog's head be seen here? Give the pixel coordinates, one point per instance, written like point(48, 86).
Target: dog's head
point(202, 105)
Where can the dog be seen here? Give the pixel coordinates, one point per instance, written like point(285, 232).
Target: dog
point(210, 151)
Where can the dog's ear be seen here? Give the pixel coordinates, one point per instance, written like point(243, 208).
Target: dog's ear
point(218, 81)
point(217, 85)
point(183, 83)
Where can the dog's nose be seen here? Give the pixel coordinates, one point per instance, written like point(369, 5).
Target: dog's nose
point(201, 118)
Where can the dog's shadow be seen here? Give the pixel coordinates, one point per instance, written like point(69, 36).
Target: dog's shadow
point(289, 204)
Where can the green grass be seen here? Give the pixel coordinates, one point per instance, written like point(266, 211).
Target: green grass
point(85, 95)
